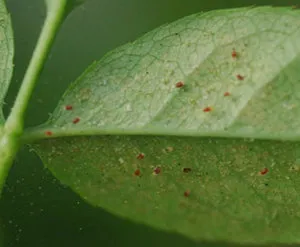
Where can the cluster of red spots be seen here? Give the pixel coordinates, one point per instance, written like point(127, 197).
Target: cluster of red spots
point(187, 193)
point(240, 77)
point(137, 172)
point(187, 170)
point(207, 109)
point(234, 53)
point(48, 133)
point(264, 171)
point(76, 120)
point(179, 84)
point(140, 156)
point(69, 107)
point(226, 94)
point(157, 170)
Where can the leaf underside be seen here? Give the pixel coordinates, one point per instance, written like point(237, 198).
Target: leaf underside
point(6, 54)
point(240, 73)
point(229, 197)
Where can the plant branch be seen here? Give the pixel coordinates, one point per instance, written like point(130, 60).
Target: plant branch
point(54, 17)
point(13, 129)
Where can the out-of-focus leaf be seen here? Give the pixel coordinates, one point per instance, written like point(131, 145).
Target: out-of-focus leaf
point(6, 54)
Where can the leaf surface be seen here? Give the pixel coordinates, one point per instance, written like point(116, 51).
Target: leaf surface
point(6, 54)
point(158, 153)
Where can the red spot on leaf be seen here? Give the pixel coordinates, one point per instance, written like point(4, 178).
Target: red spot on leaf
point(157, 170)
point(187, 193)
point(234, 53)
point(48, 133)
point(179, 84)
point(226, 94)
point(68, 107)
point(137, 172)
point(240, 77)
point(140, 156)
point(187, 170)
point(207, 109)
point(76, 120)
point(264, 171)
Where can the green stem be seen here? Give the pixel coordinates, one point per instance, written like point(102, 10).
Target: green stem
point(9, 146)
point(54, 17)
point(13, 128)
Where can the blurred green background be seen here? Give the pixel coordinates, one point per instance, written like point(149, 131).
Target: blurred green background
point(36, 209)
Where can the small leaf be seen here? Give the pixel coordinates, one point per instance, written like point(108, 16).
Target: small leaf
point(132, 98)
point(6, 54)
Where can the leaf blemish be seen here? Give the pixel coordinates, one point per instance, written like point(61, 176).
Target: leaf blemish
point(76, 120)
point(157, 170)
point(140, 156)
point(240, 77)
point(137, 172)
point(187, 193)
point(69, 107)
point(207, 109)
point(168, 150)
point(84, 94)
point(294, 168)
point(234, 53)
point(179, 84)
point(48, 133)
point(226, 94)
point(187, 170)
point(264, 171)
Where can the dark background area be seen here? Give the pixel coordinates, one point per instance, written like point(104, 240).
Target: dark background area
point(36, 210)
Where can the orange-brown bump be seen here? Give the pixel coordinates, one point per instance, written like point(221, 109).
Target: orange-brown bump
point(157, 170)
point(234, 53)
point(69, 107)
point(187, 193)
point(207, 109)
point(264, 171)
point(179, 84)
point(76, 120)
point(240, 77)
point(140, 156)
point(137, 172)
point(48, 133)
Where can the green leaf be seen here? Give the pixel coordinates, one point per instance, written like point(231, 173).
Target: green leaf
point(162, 158)
point(6, 54)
